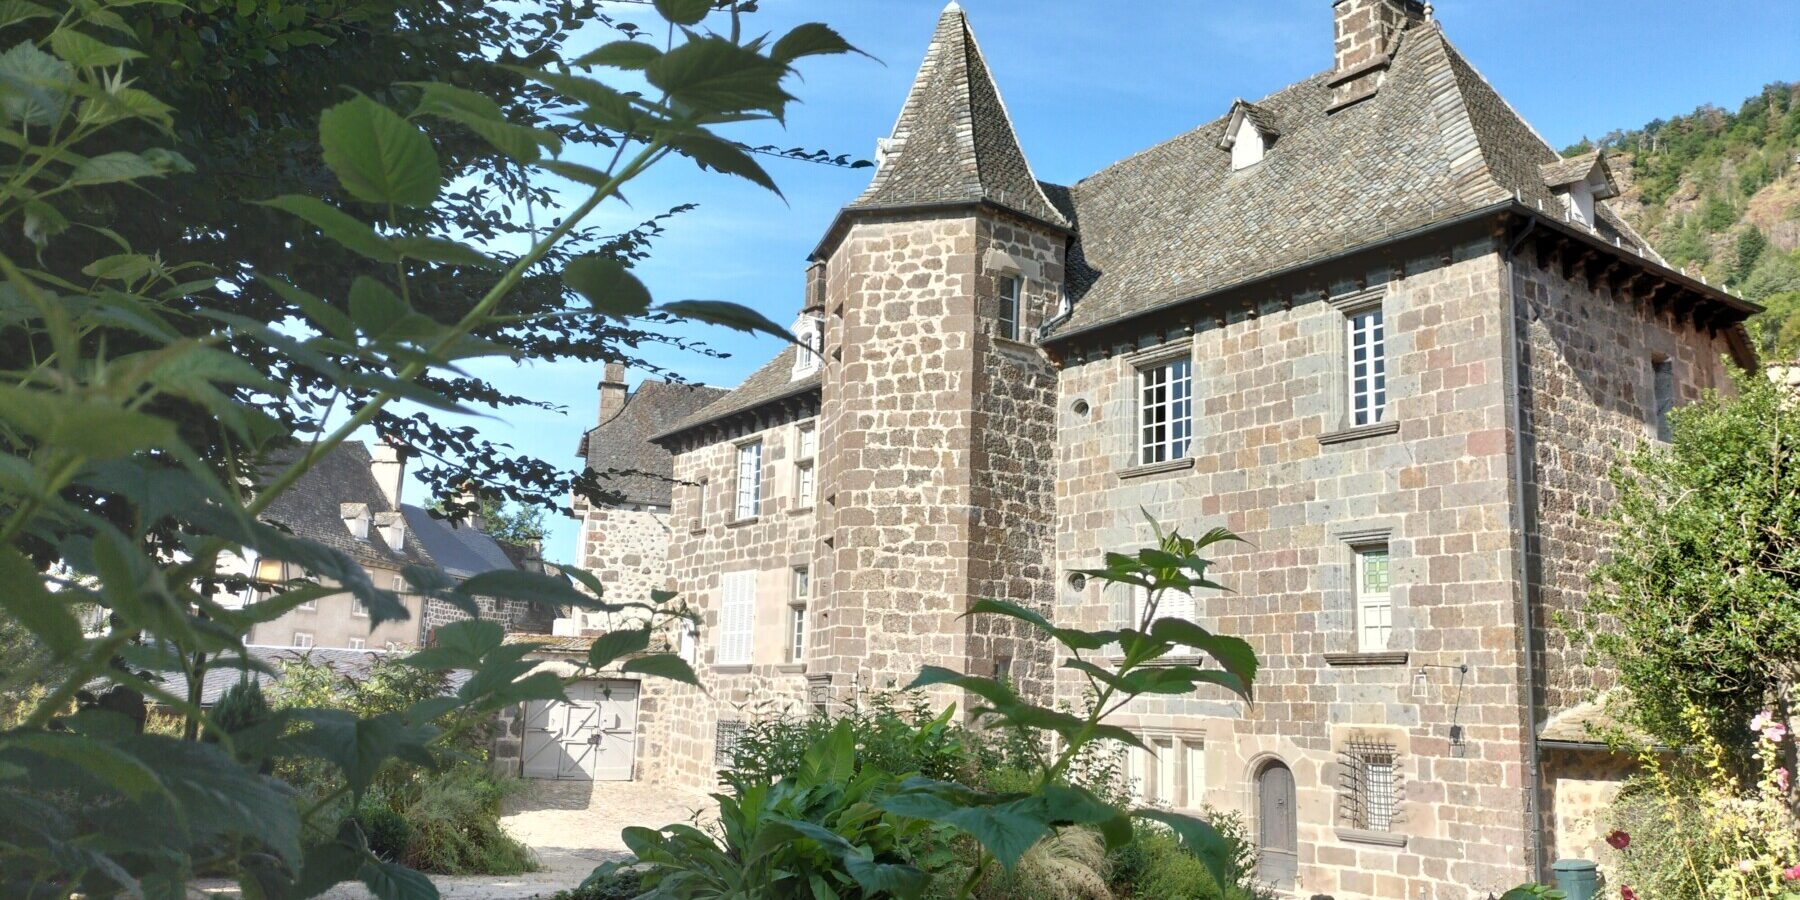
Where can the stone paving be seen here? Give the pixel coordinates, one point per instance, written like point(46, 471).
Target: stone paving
point(573, 827)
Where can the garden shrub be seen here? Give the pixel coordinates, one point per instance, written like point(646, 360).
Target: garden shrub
point(620, 884)
point(455, 820)
point(1155, 865)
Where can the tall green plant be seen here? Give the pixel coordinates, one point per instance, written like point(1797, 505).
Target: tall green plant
point(110, 499)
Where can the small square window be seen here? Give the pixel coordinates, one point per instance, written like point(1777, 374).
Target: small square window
point(303, 639)
point(358, 608)
point(357, 643)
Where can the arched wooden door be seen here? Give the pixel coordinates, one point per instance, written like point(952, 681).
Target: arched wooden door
point(1278, 833)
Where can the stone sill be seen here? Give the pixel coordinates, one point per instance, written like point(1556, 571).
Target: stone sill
point(1346, 435)
point(1378, 838)
point(1015, 346)
point(1145, 471)
point(1384, 658)
point(791, 668)
point(740, 523)
point(738, 669)
point(799, 510)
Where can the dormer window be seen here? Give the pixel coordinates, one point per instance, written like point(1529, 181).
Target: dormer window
point(356, 519)
point(1248, 135)
point(1582, 180)
point(808, 356)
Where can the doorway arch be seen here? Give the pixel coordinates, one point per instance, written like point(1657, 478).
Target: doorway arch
point(1277, 825)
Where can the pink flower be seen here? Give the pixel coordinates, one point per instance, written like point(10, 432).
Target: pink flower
point(1773, 729)
point(1619, 840)
point(1774, 733)
point(1781, 779)
point(1761, 720)
point(1626, 893)
point(1792, 874)
point(1745, 865)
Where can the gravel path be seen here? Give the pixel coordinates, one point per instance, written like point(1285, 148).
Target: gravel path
point(572, 826)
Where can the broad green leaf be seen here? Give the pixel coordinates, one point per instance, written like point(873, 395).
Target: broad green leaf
point(12, 11)
point(1235, 654)
point(662, 665)
point(84, 52)
point(609, 647)
point(392, 881)
point(988, 689)
point(219, 799)
point(361, 747)
point(723, 156)
point(336, 224)
point(621, 55)
point(576, 172)
point(24, 596)
point(1068, 637)
point(108, 168)
point(92, 427)
point(459, 645)
point(684, 12)
point(730, 315)
point(328, 318)
point(33, 85)
point(330, 863)
point(608, 285)
point(514, 584)
point(1200, 839)
point(480, 114)
point(102, 761)
point(442, 250)
point(713, 75)
point(1007, 829)
point(120, 267)
point(378, 156)
point(810, 39)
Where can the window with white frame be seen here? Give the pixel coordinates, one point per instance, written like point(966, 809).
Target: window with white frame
point(303, 639)
point(1374, 603)
point(1165, 411)
point(749, 479)
point(1011, 312)
point(806, 482)
point(358, 608)
point(737, 618)
point(1136, 772)
point(687, 642)
point(809, 355)
point(1368, 785)
point(1367, 363)
point(1193, 761)
point(1168, 762)
point(1170, 604)
point(357, 643)
point(308, 606)
point(802, 593)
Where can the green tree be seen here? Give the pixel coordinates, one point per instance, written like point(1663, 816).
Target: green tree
point(511, 523)
point(1751, 244)
point(147, 421)
point(1699, 602)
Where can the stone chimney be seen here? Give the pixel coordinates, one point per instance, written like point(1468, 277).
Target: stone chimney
point(1368, 33)
point(387, 463)
point(612, 392)
point(815, 287)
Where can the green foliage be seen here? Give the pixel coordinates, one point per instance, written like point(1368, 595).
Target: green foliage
point(618, 884)
point(1698, 605)
point(152, 409)
point(896, 734)
point(1751, 244)
point(519, 525)
point(1154, 864)
point(821, 831)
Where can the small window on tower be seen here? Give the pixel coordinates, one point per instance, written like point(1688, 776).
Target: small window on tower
point(1011, 312)
point(1662, 373)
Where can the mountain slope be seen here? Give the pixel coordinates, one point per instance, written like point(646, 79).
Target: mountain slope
point(1718, 193)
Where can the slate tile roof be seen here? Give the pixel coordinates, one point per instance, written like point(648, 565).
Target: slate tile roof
point(621, 451)
point(461, 551)
point(1175, 221)
point(954, 142)
point(312, 508)
point(774, 381)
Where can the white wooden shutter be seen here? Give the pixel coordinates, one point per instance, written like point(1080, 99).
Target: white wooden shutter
point(1171, 604)
point(737, 613)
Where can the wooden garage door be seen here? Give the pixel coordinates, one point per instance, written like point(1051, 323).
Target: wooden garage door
point(592, 737)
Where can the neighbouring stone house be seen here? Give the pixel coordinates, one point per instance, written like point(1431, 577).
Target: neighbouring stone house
point(1372, 323)
point(351, 502)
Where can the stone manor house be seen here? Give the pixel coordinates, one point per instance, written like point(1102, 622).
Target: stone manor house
point(1371, 322)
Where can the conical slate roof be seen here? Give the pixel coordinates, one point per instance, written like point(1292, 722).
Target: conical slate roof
point(954, 142)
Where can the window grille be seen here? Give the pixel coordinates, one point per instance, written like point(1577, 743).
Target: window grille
point(726, 736)
point(1369, 788)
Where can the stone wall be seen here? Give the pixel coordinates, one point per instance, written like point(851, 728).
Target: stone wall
point(677, 723)
point(1589, 398)
point(897, 401)
point(1013, 454)
point(1273, 462)
point(627, 548)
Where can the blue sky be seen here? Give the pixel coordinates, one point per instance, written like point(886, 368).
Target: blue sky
point(1089, 83)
